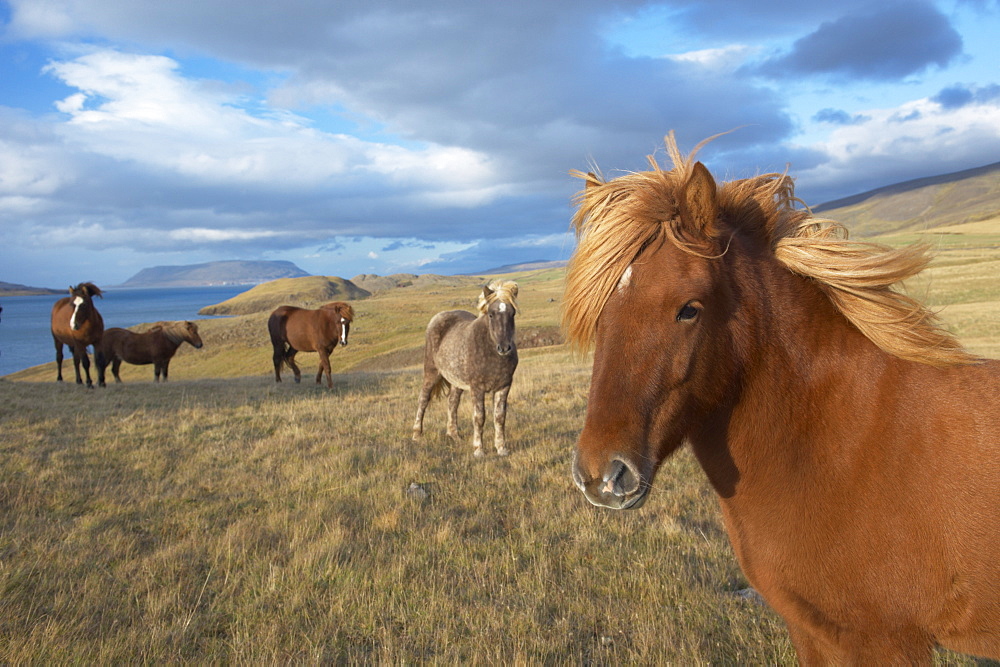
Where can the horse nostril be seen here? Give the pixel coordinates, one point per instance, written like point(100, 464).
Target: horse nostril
point(620, 480)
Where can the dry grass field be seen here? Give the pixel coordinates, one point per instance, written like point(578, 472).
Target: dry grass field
point(222, 517)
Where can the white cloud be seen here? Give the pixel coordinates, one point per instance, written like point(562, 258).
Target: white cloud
point(726, 57)
point(917, 139)
point(220, 235)
point(139, 109)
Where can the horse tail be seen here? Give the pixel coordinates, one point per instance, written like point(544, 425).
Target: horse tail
point(441, 387)
point(275, 327)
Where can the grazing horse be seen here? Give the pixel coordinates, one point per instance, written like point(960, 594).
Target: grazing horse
point(853, 444)
point(76, 323)
point(463, 352)
point(295, 330)
point(156, 346)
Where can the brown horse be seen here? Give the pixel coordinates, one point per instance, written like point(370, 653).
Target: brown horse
point(295, 330)
point(156, 346)
point(463, 352)
point(76, 323)
point(854, 446)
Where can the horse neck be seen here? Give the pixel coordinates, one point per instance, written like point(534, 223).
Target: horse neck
point(800, 367)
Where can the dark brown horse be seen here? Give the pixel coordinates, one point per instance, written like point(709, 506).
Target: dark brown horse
point(295, 330)
point(853, 444)
point(463, 352)
point(76, 323)
point(155, 346)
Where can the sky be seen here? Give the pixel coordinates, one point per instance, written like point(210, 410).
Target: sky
point(373, 136)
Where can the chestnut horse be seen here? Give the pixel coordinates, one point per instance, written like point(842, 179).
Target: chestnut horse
point(156, 346)
point(463, 352)
point(295, 330)
point(76, 323)
point(853, 444)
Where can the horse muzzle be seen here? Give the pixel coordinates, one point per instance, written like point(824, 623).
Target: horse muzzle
point(504, 350)
point(620, 487)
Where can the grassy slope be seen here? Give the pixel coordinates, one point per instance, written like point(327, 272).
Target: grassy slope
point(222, 517)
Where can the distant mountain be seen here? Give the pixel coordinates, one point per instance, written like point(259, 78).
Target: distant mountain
point(14, 289)
point(234, 272)
point(375, 283)
point(961, 197)
point(305, 292)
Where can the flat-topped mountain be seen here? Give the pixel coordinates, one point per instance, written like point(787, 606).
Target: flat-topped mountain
point(230, 272)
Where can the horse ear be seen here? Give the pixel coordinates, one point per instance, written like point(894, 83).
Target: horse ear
point(592, 180)
point(698, 201)
point(487, 292)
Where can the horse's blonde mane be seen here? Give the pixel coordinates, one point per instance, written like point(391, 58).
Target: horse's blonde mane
point(501, 290)
point(617, 219)
point(176, 332)
point(345, 310)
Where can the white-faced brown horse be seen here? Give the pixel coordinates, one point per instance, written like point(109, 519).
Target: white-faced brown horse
point(853, 444)
point(295, 330)
point(76, 323)
point(156, 346)
point(463, 352)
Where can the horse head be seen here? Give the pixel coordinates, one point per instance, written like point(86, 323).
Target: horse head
point(498, 303)
point(660, 339)
point(344, 314)
point(82, 300)
point(191, 334)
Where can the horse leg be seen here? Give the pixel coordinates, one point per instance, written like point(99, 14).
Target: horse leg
point(76, 363)
point(454, 398)
point(500, 420)
point(290, 360)
point(85, 359)
point(102, 364)
point(59, 360)
point(278, 358)
point(478, 419)
point(431, 378)
point(115, 365)
point(324, 367)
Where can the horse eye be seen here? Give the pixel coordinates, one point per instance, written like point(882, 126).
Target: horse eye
point(687, 313)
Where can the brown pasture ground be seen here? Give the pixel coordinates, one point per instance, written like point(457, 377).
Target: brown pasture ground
point(223, 518)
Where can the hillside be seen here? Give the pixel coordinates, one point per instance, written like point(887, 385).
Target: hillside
point(224, 518)
point(14, 289)
point(234, 272)
point(307, 292)
point(948, 200)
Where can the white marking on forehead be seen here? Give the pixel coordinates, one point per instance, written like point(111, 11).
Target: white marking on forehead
point(502, 307)
point(77, 302)
point(625, 279)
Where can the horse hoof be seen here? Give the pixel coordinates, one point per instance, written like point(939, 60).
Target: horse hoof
point(503, 451)
point(478, 453)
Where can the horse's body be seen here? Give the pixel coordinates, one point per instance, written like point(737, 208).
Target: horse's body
point(76, 323)
point(156, 346)
point(463, 352)
point(295, 330)
point(854, 446)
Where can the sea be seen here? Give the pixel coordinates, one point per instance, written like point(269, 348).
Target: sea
point(26, 340)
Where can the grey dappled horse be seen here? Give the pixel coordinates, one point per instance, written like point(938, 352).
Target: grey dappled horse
point(463, 353)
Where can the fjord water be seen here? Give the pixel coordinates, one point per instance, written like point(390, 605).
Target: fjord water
point(25, 339)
